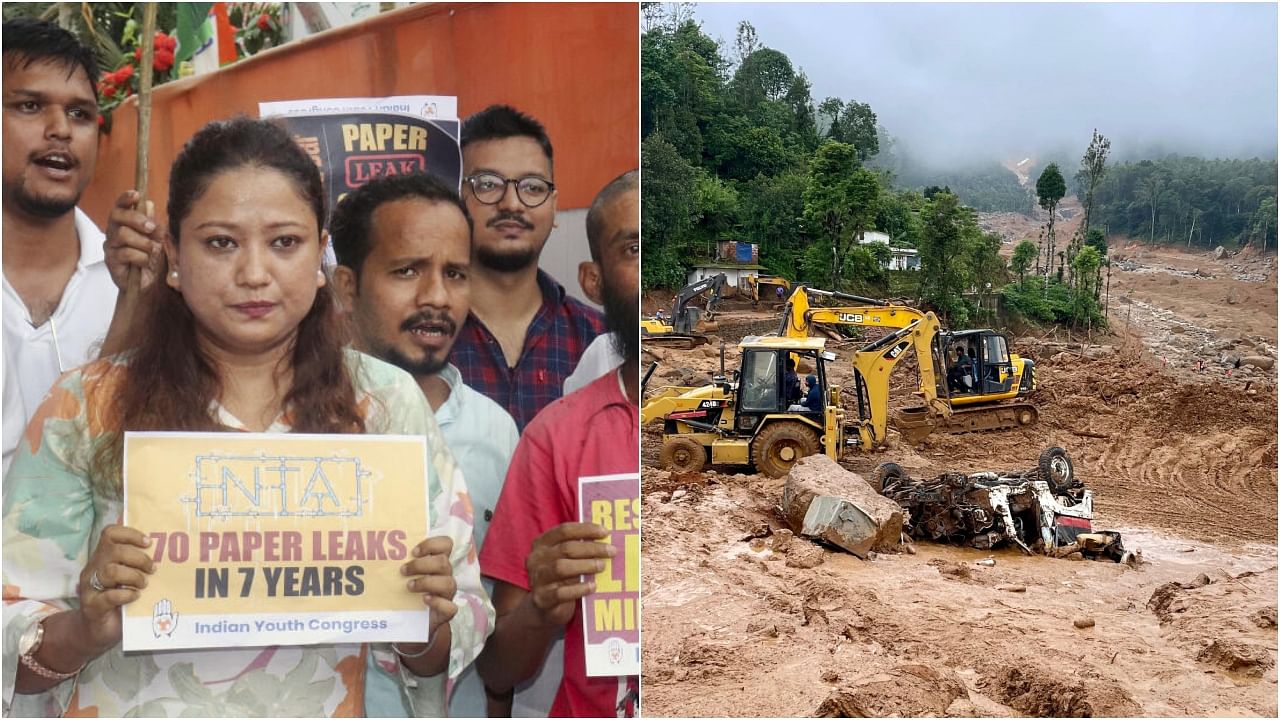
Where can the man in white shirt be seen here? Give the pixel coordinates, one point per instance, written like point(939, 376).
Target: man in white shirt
point(58, 292)
point(60, 273)
point(403, 246)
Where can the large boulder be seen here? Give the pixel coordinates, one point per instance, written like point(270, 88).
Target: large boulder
point(1265, 363)
point(822, 500)
point(1219, 253)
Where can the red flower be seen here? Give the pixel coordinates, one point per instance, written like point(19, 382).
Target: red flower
point(122, 75)
point(108, 91)
point(164, 60)
point(102, 119)
point(137, 55)
point(264, 22)
point(165, 42)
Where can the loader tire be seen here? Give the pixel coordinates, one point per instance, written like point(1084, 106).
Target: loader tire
point(780, 445)
point(887, 474)
point(1056, 470)
point(682, 454)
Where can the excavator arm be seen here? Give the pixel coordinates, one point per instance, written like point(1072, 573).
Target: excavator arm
point(873, 365)
point(799, 317)
point(680, 321)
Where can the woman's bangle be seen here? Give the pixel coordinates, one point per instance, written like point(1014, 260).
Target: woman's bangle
point(420, 653)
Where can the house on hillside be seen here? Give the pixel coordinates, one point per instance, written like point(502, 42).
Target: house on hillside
point(737, 260)
point(900, 258)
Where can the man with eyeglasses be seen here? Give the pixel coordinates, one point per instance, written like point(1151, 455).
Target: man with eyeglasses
point(524, 334)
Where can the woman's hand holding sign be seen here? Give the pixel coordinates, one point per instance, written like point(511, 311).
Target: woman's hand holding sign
point(115, 572)
point(430, 572)
point(70, 639)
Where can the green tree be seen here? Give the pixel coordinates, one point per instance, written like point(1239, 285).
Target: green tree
point(1050, 188)
point(841, 200)
point(944, 267)
point(1093, 166)
point(765, 74)
point(1023, 256)
point(1264, 223)
point(667, 211)
point(858, 125)
point(1085, 268)
point(1096, 240)
point(1151, 191)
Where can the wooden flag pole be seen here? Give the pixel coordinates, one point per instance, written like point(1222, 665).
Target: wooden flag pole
point(134, 284)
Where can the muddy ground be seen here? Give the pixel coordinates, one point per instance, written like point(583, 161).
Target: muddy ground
point(1181, 454)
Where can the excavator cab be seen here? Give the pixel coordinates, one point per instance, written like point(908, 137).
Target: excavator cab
point(978, 365)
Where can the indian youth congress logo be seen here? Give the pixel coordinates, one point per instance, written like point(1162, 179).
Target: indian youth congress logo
point(164, 619)
point(615, 647)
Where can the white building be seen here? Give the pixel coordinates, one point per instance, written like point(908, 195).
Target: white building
point(735, 275)
point(900, 258)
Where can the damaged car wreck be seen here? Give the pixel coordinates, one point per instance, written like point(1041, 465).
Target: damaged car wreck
point(1045, 510)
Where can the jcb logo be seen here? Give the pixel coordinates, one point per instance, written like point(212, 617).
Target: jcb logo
point(851, 317)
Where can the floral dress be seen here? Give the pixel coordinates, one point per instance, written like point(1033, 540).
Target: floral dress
point(51, 523)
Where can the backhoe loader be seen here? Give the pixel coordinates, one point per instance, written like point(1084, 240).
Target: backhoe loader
point(746, 418)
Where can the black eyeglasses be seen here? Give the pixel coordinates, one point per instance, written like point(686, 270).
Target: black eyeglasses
point(490, 188)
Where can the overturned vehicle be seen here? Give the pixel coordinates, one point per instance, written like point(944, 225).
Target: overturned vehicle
point(1045, 510)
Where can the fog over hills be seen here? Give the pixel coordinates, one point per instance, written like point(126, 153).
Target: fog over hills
point(959, 84)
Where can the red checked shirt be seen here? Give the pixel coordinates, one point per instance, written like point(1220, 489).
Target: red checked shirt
point(558, 334)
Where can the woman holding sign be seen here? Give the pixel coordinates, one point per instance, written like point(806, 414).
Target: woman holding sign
point(241, 335)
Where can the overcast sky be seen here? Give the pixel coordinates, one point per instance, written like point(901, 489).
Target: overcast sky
point(957, 82)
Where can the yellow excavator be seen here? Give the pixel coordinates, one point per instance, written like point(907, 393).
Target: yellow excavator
point(680, 329)
point(974, 393)
point(747, 418)
point(767, 286)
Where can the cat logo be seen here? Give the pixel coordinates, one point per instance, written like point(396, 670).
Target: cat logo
point(896, 350)
point(851, 317)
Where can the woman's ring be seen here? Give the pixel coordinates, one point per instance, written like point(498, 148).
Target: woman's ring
point(95, 583)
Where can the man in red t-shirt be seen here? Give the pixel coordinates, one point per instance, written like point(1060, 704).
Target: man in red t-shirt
point(536, 552)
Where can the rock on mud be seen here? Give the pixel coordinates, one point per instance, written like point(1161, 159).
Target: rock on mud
point(1264, 618)
point(1258, 361)
point(849, 514)
point(1170, 599)
point(904, 691)
point(1048, 693)
point(1237, 657)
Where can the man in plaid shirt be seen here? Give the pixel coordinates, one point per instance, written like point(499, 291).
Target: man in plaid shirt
point(524, 334)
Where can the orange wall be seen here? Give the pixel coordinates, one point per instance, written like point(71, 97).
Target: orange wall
point(574, 67)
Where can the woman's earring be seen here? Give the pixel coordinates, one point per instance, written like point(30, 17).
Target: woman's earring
point(173, 274)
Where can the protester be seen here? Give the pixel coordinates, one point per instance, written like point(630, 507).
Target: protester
point(524, 334)
point(537, 551)
point(242, 335)
point(403, 246)
point(58, 289)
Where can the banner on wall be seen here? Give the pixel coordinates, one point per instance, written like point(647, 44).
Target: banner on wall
point(275, 539)
point(356, 140)
point(611, 615)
